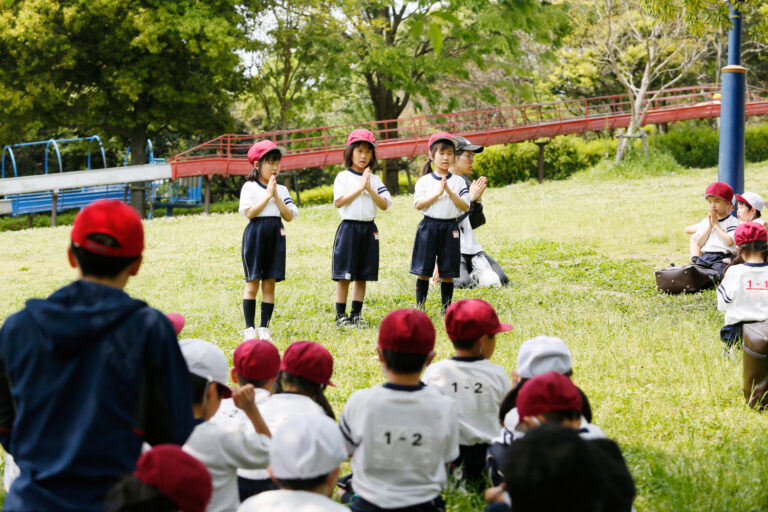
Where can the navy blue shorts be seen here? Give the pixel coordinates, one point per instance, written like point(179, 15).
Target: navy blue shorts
point(263, 249)
point(436, 238)
point(356, 251)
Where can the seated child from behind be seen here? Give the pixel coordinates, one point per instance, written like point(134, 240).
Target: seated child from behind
point(403, 433)
point(222, 448)
point(715, 233)
point(304, 460)
point(743, 292)
point(476, 385)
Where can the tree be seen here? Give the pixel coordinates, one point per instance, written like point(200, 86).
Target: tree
point(124, 68)
point(643, 53)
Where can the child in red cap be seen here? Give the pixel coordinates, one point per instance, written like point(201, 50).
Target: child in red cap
point(166, 479)
point(441, 197)
point(359, 195)
point(264, 203)
point(255, 362)
point(89, 371)
point(403, 433)
point(743, 293)
point(714, 235)
point(476, 385)
point(305, 371)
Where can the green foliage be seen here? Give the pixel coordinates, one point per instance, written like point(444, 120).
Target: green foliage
point(563, 156)
point(690, 144)
point(756, 143)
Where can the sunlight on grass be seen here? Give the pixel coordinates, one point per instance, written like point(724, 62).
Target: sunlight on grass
point(580, 255)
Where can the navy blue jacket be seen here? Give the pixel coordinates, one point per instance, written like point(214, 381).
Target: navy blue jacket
point(86, 376)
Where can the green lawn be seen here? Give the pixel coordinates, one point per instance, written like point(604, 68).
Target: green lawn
point(580, 255)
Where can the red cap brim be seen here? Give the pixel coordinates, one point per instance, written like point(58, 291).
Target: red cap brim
point(503, 327)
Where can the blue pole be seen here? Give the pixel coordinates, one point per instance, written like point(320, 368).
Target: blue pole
point(730, 167)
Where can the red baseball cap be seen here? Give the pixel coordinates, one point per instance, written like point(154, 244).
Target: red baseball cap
point(261, 148)
point(178, 475)
point(470, 319)
point(361, 134)
point(114, 218)
point(256, 360)
point(749, 232)
point(551, 391)
point(720, 189)
point(442, 136)
point(177, 320)
point(407, 330)
point(309, 360)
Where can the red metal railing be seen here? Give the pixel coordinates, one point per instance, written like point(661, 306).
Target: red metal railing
point(321, 146)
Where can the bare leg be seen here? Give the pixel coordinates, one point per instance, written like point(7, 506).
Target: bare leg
point(358, 291)
point(268, 291)
point(252, 289)
point(342, 290)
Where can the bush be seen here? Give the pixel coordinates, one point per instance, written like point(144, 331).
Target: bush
point(520, 162)
point(690, 144)
point(756, 143)
point(318, 195)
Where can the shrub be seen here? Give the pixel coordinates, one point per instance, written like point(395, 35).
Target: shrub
point(690, 144)
point(756, 143)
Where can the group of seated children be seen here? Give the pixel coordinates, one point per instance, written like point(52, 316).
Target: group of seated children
point(404, 436)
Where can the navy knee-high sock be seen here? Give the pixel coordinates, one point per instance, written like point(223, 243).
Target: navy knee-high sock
point(266, 313)
point(249, 312)
point(446, 294)
point(422, 287)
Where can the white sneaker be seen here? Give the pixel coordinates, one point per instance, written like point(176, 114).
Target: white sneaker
point(249, 333)
point(263, 334)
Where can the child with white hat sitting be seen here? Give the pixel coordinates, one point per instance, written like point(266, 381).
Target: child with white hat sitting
point(222, 448)
point(304, 460)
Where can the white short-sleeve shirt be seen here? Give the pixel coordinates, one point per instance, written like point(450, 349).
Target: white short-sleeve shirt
point(362, 207)
point(253, 192)
point(715, 243)
point(743, 293)
point(428, 185)
point(477, 387)
point(223, 449)
point(400, 438)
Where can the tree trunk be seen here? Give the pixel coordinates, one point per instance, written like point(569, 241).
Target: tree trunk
point(386, 106)
point(138, 157)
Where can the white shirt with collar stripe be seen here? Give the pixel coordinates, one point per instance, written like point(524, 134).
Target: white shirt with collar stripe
point(428, 185)
point(715, 243)
point(362, 207)
point(400, 439)
point(477, 387)
point(253, 192)
point(743, 293)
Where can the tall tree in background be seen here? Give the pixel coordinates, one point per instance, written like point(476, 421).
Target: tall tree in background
point(123, 68)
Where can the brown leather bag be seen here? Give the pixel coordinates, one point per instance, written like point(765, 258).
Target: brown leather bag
point(686, 279)
point(755, 357)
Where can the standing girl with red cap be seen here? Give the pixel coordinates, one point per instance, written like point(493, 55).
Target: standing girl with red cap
point(358, 195)
point(441, 197)
point(264, 203)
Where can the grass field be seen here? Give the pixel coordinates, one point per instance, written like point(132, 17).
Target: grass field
point(580, 255)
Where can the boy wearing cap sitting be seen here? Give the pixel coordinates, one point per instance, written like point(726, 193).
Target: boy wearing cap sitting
point(256, 362)
point(222, 448)
point(89, 373)
point(403, 433)
point(551, 398)
point(476, 385)
point(304, 460)
point(714, 235)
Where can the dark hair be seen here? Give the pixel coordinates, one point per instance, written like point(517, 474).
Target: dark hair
point(306, 387)
point(200, 387)
point(439, 145)
point(255, 383)
point(509, 402)
point(760, 246)
point(552, 468)
point(403, 362)
point(348, 154)
point(269, 156)
point(757, 212)
point(132, 495)
point(307, 484)
point(92, 264)
point(464, 344)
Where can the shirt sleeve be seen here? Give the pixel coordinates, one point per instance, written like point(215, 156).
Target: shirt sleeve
point(244, 449)
point(338, 186)
point(7, 407)
point(285, 195)
point(462, 190)
point(246, 198)
point(381, 189)
point(346, 424)
point(702, 228)
point(727, 289)
point(452, 448)
point(420, 190)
